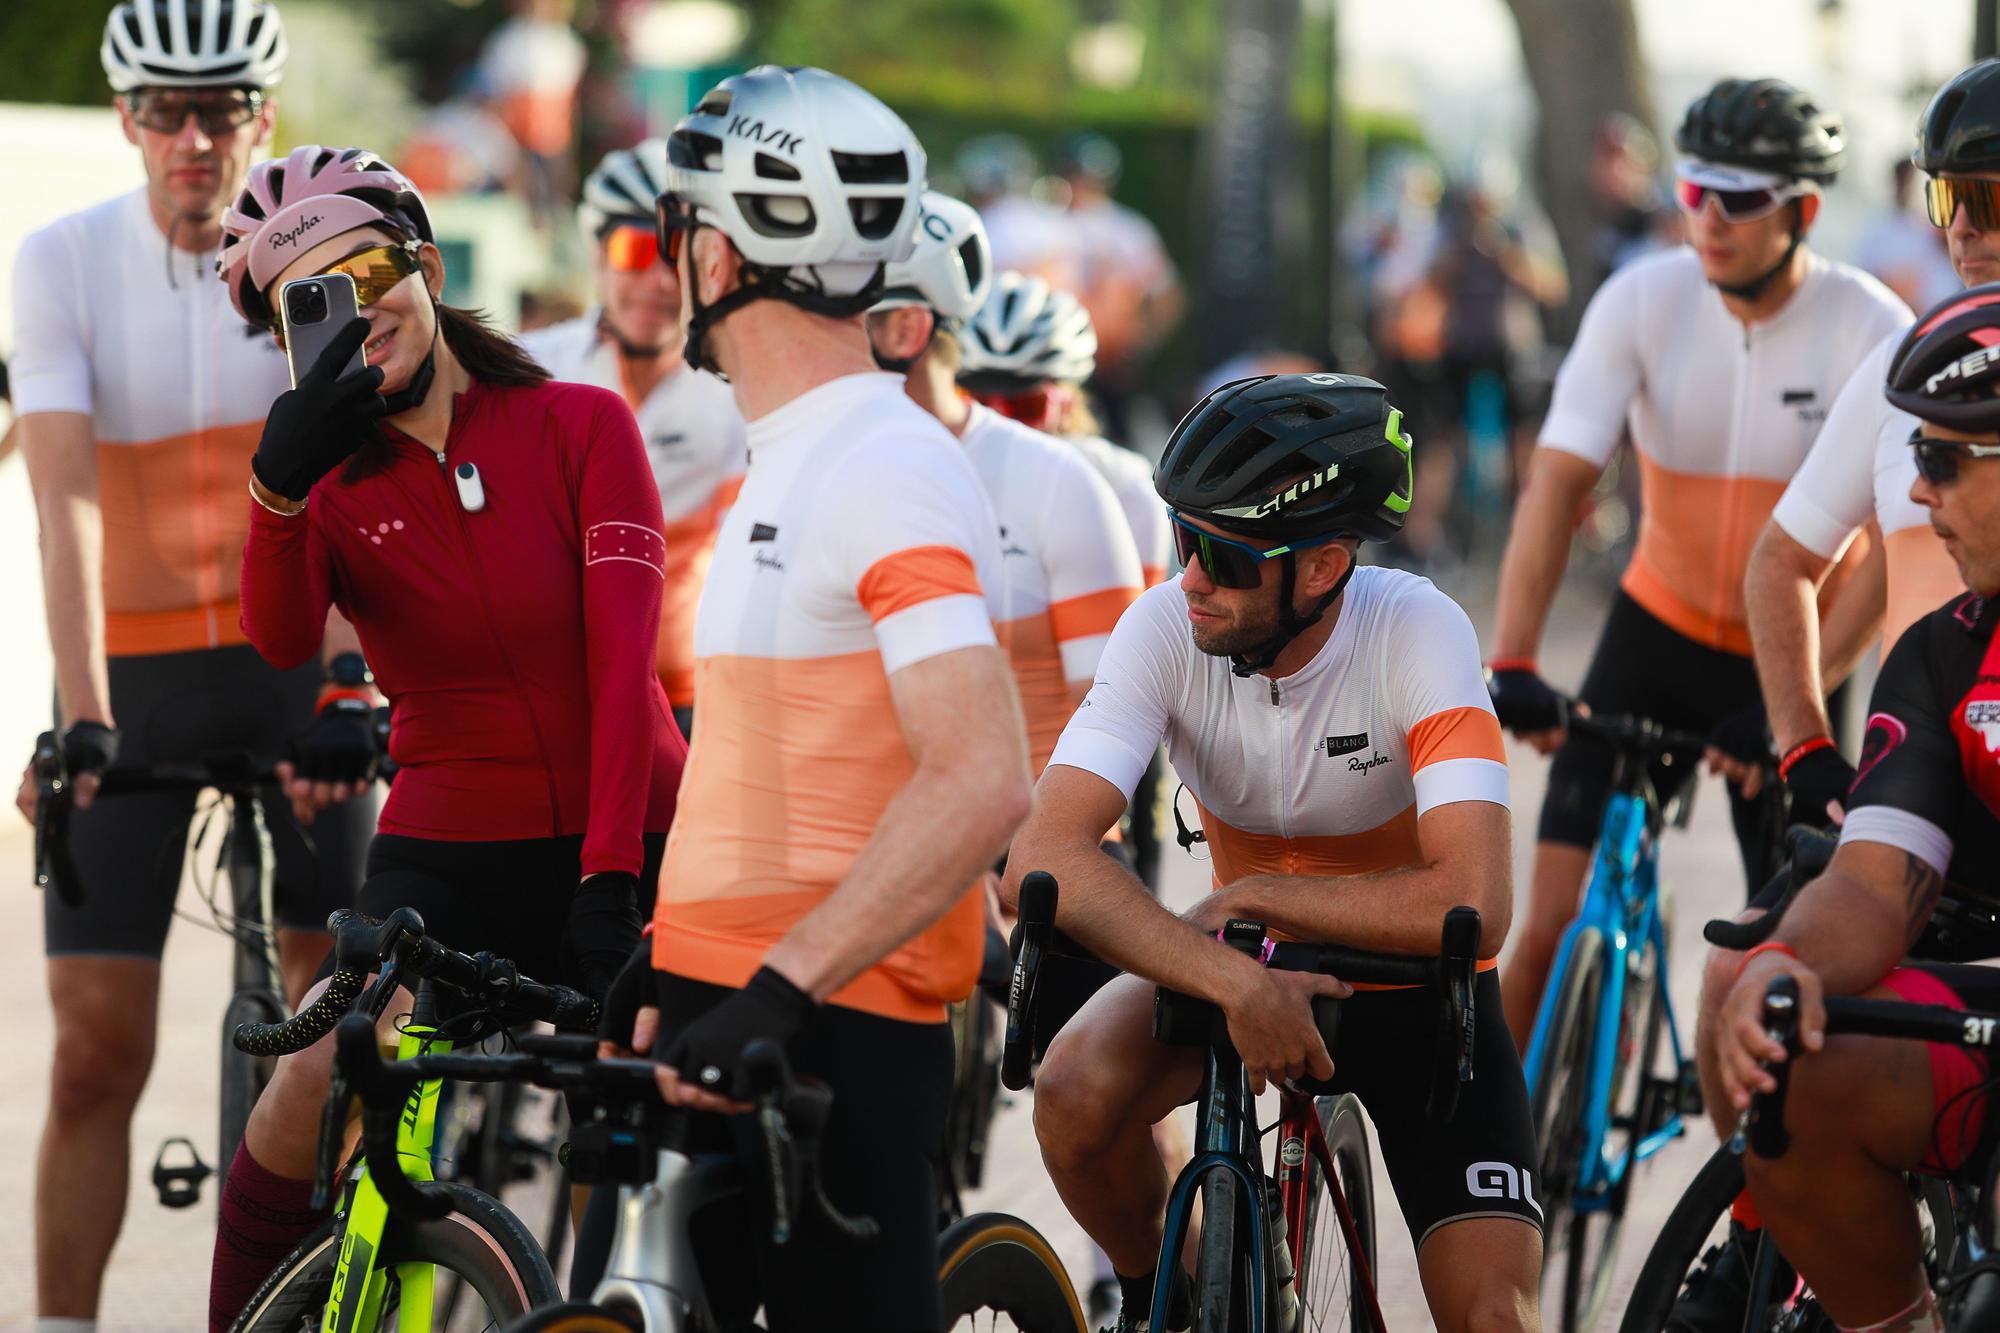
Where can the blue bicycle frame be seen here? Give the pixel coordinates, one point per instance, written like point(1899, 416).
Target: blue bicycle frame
point(1622, 905)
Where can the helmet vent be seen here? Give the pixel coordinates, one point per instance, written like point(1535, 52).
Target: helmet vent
point(872, 168)
point(968, 255)
point(875, 219)
point(715, 104)
point(778, 215)
point(772, 168)
point(1946, 113)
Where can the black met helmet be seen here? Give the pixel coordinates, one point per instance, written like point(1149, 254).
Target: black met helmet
point(1285, 457)
point(1960, 130)
point(1947, 369)
point(1764, 125)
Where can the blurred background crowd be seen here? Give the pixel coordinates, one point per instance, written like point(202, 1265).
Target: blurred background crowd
point(1422, 190)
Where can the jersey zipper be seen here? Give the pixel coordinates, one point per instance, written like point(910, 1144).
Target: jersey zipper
point(1718, 610)
point(1284, 776)
point(500, 645)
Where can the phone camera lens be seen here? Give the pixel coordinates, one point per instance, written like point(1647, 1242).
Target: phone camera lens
point(306, 304)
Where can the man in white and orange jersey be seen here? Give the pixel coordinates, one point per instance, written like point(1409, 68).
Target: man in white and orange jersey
point(1860, 470)
point(632, 344)
point(862, 759)
point(1068, 566)
point(1332, 726)
point(141, 397)
point(1721, 357)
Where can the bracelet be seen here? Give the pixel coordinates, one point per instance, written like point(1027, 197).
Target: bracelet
point(1513, 664)
point(1768, 946)
point(258, 491)
point(1800, 751)
point(338, 693)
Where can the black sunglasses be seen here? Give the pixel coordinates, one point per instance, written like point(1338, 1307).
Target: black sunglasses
point(164, 111)
point(675, 218)
point(1937, 460)
point(1231, 564)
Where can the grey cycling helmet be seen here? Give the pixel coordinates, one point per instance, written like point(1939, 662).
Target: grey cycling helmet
point(624, 189)
point(1027, 334)
point(951, 270)
point(193, 44)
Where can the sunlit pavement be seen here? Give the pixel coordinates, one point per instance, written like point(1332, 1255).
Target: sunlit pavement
point(159, 1273)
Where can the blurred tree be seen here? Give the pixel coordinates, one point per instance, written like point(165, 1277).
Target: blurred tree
point(1583, 62)
point(49, 50)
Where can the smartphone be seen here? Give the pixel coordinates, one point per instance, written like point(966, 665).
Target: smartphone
point(315, 309)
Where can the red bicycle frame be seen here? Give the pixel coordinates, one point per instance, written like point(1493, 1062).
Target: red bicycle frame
point(1300, 1139)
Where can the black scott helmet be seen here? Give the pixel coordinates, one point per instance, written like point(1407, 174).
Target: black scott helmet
point(1285, 457)
point(1948, 367)
point(1960, 131)
point(1764, 125)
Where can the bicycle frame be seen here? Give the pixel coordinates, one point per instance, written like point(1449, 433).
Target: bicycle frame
point(1227, 1141)
point(359, 1286)
point(1622, 904)
point(652, 1270)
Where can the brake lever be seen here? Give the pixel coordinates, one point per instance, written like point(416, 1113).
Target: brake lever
point(769, 1076)
point(55, 868)
point(1762, 1124)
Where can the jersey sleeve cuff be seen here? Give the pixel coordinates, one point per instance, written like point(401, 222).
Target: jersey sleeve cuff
point(1579, 435)
point(1102, 754)
point(1899, 829)
point(50, 391)
point(1452, 780)
point(1810, 526)
point(1081, 656)
point(930, 628)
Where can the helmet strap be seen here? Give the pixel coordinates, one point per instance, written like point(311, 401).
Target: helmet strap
point(412, 395)
point(1291, 623)
point(761, 282)
point(1751, 290)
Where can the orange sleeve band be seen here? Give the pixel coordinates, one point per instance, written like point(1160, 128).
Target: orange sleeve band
point(1092, 613)
point(1456, 733)
point(909, 578)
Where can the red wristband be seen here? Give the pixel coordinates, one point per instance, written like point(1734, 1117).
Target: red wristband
point(1768, 946)
point(335, 693)
point(1513, 664)
point(1800, 751)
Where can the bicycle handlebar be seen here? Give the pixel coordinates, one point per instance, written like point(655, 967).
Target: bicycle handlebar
point(1631, 732)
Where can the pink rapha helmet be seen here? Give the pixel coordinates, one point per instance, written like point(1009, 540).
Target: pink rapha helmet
point(289, 206)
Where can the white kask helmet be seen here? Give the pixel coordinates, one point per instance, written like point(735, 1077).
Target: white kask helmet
point(1026, 334)
point(193, 44)
point(804, 172)
point(951, 269)
point(625, 187)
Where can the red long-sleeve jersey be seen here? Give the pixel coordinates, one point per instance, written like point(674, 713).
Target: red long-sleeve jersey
point(515, 641)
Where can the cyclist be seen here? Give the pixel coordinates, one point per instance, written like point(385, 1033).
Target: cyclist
point(139, 399)
point(862, 758)
point(1069, 566)
point(1331, 724)
point(497, 542)
point(1860, 468)
point(1922, 818)
point(631, 344)
point(1721, 357)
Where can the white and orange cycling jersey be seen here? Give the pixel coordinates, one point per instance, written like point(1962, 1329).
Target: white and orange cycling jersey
point(1324, 771)
point(694, 439)
point(1068, 568)
point(1720, 416)
point(1131, 480)
point(861, 543)
point(1862, 467)
point(176, 386)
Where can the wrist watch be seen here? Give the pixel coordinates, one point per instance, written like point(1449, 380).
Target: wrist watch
point(349, 671)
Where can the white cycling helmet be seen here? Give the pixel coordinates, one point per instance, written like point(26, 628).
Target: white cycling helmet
point(803, 172)
point(1027, 334)
point(193, 44)
point(625, 187)
point(951, 269)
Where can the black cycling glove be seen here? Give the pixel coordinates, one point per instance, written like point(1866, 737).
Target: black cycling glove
point(603, 929)
point(1816, 777)
point(338, 745)
point(709, 1051)
point(89, 747)
point(630, 991)
point(1743, 735)
point(313, 429)
point(1524, 701)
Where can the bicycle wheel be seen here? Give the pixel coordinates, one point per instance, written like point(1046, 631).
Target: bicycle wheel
point(575, 1317)
point(243, 1076)
point(502, 1139)
point(997, 1272)
point(1331, 1286)
point(480, 1241)
point(1222, 1268)
point(1558, 1102)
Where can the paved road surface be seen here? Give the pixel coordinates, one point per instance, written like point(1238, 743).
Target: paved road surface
point(159, 1273)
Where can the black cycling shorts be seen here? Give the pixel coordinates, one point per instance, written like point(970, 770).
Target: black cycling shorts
point(510, 898)
point(1641, 666)
point(891, 1085)
point(129, 849)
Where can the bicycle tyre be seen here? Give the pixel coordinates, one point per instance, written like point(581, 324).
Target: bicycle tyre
point(1323, 1294)
point(479, 1240)
point(244, 1077)
point(1556, 1102)
point(1221, 1268)
point(994, 1262)
point(575, 1317)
